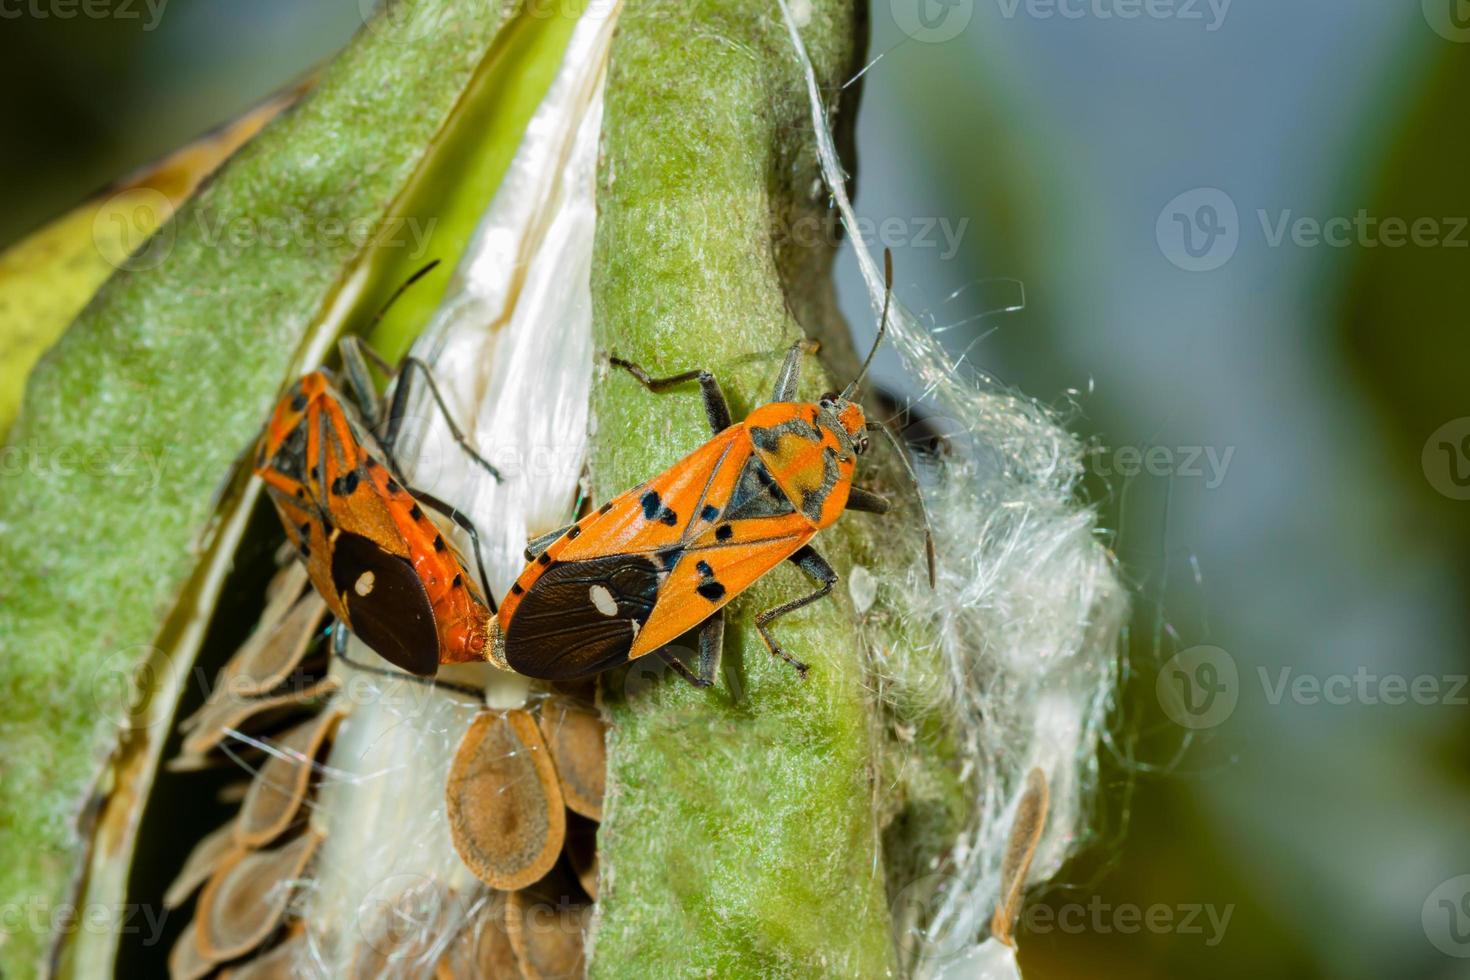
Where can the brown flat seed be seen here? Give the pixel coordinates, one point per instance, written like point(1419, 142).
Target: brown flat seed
point(278, 643)
point(581, 851)
point(258, 667)
point(547, 937)
point(482, 950)
point(506, 814)
point(276, 963)
point(279, 787)
point(201, 863)
point(247, 897)
point(577, 739)
point(185, 961)
point(241, 713)
point(1026, 830)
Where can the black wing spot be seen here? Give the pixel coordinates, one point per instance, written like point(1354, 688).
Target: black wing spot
point(515, 588)
point(304, 530)
point(298, 402)
point(396, 618)
point(544, 558)
point(709, 588)
point(710, 513)
point(605, 508)
point(671, 557)
point(724, 532)
point(574, 532)
point(654, 509)
point(393, 486)
point(345, 484)
point(458, 580)
point(439, 544)
point(558, 632)
point(416, 512)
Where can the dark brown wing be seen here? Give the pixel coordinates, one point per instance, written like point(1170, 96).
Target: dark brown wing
point(386, 603)
point(580, 617)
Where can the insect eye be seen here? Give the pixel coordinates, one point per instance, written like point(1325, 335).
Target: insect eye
point(829, 398)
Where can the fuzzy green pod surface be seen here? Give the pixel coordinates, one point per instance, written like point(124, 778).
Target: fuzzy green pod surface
point(750, 804)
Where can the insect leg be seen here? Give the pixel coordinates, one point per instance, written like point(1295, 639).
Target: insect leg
point(355, 356)
point(339, 650)
point(429, 500)
point(400, 404)
point(716, 409)
point(816, 567)
point(790, 376)
point(541, 542)
point(711, 644)
point(866, 501)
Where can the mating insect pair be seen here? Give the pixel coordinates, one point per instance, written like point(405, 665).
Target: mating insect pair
point(651, 565)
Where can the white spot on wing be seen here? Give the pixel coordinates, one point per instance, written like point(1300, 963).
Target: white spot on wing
point(364, 583)
point(603, 600)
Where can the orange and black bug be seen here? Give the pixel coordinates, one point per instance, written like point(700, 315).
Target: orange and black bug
point(666, 556)
point(384, 568)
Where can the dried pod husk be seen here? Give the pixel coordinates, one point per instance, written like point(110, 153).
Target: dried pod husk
point(505, 808)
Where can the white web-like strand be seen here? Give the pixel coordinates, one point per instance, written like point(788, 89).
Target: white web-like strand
point(1027, 614)
point(511, 349)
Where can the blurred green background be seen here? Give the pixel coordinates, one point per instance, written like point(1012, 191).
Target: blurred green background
point(1242, 234)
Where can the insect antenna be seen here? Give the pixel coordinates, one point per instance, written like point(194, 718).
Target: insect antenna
point(908, 468)
point(851, 389)
point(403, 288)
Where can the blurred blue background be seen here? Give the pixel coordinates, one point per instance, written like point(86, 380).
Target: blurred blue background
point(1241, 228)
